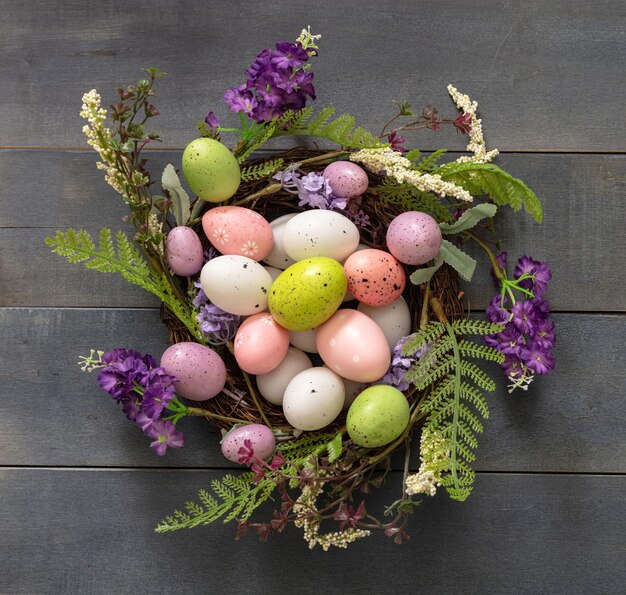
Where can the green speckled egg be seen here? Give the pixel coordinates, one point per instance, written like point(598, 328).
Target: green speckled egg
point(307, 293)
point(211, 170)
point(377, 416)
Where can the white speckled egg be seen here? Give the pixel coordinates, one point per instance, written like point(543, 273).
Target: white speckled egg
point(260, 344)
point(273, 384)
point(414, 237)
point(261, 439)
point(278, 257)
point(320, 233)
point(200, 371)
point(273, 271)
point(304, 340)
point(346, 179)
point(394, 319)
point(313, 399)
point(236, 284)
point(183, 249)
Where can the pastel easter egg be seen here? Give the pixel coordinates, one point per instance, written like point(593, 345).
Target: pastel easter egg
point(377, 416)
point(278, 257)
point(260, 344)
point(183, 250)
point(236, 230)
point(274, 272)
point(349, 297)
point(353, 390)
point(307, 293)
point(394, 319)
point(353, 345)
point(375, 277)
point(346, 179)
point(273, 384)
point(414, 237)
point(304, 340)
point(236, 284)
point(211, 170)
point(313, 399)
point(262, 441)
point(320, 233)
point(200, 371)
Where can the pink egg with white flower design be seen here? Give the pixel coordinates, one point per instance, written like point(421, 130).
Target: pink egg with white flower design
point(346, 179)
point(414, 237)
point(260, 344)
point(235, 230)
point(261, 443)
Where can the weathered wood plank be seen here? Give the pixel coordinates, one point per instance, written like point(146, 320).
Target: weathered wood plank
point(547, 75)
point(569, 421)
point(90, 532)
point(582, 235)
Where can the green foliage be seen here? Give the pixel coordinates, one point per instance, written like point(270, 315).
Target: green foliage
point(256, 143)
point(488, 179)
point(411, 199)
point(179, 197)
point(455, 401)
point(426, 164)
point(334, 448)
point(261, 170)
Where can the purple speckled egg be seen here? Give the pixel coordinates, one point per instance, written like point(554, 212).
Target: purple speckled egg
point(260, 436)
point(346, 179)
point(200, 371)
point(183, 249)
point(414, 237)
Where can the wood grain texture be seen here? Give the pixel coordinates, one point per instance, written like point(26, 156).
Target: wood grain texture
point(85, 532)
point(571, 420)
point(577, 238)
point(546, 74)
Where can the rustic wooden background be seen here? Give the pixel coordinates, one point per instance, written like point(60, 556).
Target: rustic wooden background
point(80, 492)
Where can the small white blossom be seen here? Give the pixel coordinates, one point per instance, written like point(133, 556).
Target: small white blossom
point(434, 457)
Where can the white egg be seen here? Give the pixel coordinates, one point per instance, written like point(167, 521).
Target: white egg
point(313, 399)
point(273, 271)
point(236, 284)
point(320, 233)
point(394, 319)
point(304, 340)
point(353, 390)
point(278, 257)
point(273, 384)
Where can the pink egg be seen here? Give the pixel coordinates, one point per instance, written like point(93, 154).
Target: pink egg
point(235, 230)
point(414, 237)
point(354, 346)
point(260, 344)
point(200, 371)
point(261, 439)
point(346, 179)
point(183, 249)
point(375, 277)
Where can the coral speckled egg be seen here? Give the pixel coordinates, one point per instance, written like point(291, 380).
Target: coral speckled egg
point(183, 249)
point(261, 439)
point(260, 344)
point(346, 179)
point(354, 346)
point(375, 277)
point(200, 371)
point(273, 384)
point(394, 319)
point(414, 237)
point(307, 293)
point(278, 257)
point(235, 230)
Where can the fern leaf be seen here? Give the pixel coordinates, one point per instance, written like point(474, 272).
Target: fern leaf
point(430, 163)
point(257, 143)
point(430, 333)
point(411, 199)
point(477, 375)
point(471, 349)
point(261, 170)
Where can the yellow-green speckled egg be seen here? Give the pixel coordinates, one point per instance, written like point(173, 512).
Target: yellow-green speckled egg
point(211, 170)
point(307, 293)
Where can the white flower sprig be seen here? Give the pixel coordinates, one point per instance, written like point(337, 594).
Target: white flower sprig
point(434, 456)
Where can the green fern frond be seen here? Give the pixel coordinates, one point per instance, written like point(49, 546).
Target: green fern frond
point(261, 170)
point(411, 199)
point(466, 326)
point(258, 142)
point(471, 349)
point(431, 162)
point(473, 372)
point(431, 332)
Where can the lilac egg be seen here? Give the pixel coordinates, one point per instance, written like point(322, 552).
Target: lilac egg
point(261, 439)
point(414, 237)
point(200, 371)
point(184, 251)
point(346, 179)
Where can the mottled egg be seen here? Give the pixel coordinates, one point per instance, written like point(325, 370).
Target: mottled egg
point(394, 319)
point(313, 399)
point(375, 277)
point(261, 438)
point(236, 284)
point(236, 230)
point(278, 257)
point(346, 179)
point(260, 344)
point(304, 340)
point(273, 384)
point(353, 345)
point(320, 233)
point(377, 416)
point(414, 237)
point(200, 371)
point(307, 293)
point(183, 250)
point(211, 170)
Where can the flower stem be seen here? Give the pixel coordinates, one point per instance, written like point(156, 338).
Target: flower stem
point(199, 412)
point(497, 269)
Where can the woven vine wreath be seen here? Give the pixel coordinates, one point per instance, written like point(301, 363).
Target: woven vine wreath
point(313, 300)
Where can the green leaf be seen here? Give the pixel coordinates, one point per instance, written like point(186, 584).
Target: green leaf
point(180, 199)
point(429, 164)
point(334, 448)
point(457, 259)
point(469, 218)
point(261, 170)
point(423, 275)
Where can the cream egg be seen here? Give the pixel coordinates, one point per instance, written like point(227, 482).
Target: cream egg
point(273, 384)
point(304, 340)
point(278, 257)
point(394, 319)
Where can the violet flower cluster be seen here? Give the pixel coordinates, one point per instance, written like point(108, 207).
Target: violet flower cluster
point(401, 364)
point(144, 391)
point(219, 327)
point(529, 335)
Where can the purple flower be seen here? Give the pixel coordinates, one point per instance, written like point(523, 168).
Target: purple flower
point(164, 434)
point(544, 335)
point(524, 316)
point(539, 273)
point(124, 369)
point(463, 123)
point(220, 326)
point(401, 364)
point(289, 55)
point(240, 100)
point(537, 359)
point(158, 394)
point(395, 141)
point(510, 341)
point(496, 310)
